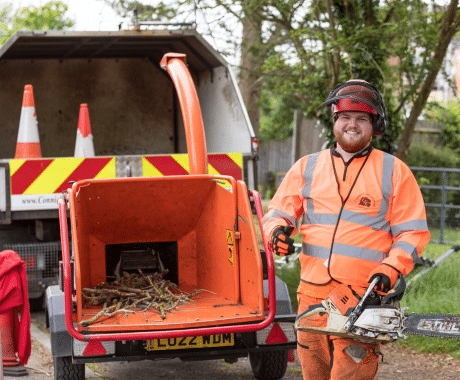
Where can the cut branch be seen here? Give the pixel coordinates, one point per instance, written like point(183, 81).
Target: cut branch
point(132, 291)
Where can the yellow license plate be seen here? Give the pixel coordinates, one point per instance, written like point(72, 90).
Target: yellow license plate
point(219, 340)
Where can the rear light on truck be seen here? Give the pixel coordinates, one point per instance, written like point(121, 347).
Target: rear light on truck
point(93, 348)
point(30, 262)
point(278, 332)
point(34, 262)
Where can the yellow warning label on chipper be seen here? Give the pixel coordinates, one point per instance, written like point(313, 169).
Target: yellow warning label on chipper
point(231, 246)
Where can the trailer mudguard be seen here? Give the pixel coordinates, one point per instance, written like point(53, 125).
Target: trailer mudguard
point(61, 341)
point(283, 300)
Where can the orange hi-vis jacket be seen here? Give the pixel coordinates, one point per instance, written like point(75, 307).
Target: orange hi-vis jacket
point(348, 234)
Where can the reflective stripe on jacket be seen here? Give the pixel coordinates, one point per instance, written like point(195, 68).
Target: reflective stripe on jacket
point(383, 219)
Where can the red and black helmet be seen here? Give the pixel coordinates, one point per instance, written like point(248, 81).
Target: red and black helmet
point(358, 95)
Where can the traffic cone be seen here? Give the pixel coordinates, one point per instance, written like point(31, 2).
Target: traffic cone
point(84, 146)
point(6, 331)
point(28, 144)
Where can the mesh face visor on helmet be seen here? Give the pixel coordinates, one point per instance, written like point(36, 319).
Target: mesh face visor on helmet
point(358, 96)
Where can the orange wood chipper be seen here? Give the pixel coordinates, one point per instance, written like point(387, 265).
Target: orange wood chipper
point(194, 232)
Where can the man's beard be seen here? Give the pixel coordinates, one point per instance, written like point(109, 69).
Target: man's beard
point(354, 146)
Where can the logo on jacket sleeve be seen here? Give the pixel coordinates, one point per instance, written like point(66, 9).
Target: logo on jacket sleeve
point(365, 200)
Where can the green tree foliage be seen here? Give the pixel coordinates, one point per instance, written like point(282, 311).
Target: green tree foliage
point(50, 16)
point(145, 12)
point(388, 43)
point(307, 48)
point(438, 26)
point(277, 116)
point(448, 117)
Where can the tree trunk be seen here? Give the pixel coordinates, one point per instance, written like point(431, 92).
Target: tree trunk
point(250, 65)
point(448, 29)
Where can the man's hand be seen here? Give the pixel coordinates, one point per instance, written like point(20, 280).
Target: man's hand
point(384, 284)
point(282, 244)
point(388, 277)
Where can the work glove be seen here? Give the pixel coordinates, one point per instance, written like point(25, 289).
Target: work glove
point(388, 277)
point(282, 244)
point(384, 284)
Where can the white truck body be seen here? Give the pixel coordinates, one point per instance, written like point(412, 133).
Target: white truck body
point(134, 114)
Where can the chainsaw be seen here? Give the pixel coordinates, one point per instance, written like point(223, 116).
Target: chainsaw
point(373, 318)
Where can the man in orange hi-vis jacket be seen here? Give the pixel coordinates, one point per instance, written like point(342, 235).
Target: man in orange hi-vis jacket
point(361, 215)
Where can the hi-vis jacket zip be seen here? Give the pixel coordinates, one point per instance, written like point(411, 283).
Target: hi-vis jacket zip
point(353, 217)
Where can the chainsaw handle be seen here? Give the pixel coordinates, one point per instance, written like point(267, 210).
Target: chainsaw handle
point(312, 310)
point(358, 308)
point(398, 293)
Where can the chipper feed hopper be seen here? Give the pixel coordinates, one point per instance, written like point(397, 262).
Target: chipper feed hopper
point(198, 231)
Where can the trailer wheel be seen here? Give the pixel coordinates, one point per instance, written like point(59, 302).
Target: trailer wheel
point(269, 365)
point(64, 369)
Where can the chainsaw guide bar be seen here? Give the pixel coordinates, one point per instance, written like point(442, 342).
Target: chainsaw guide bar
point(433, 325)
point(382, 323)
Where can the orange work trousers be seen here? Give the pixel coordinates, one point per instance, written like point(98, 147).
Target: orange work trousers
point(325, 357)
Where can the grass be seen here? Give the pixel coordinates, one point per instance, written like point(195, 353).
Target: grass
point(40, 327)
point(438, 291)
point(295, 370)
point(449, 235)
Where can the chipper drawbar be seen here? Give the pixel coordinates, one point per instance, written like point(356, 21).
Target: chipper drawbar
point(194, 232)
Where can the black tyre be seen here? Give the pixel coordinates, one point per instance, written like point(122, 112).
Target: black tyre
point(64, 369)
point(269, 365)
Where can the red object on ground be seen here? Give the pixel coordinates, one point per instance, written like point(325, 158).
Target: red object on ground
point(14, 302)
point(7, 334)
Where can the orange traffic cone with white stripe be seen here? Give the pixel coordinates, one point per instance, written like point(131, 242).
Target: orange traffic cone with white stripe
point(84, 146)
point(28, 144)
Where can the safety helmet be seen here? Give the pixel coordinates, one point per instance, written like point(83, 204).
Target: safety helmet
point(358, 95)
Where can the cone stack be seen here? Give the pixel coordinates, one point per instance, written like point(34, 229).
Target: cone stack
point(84, 146)
point(28, 143)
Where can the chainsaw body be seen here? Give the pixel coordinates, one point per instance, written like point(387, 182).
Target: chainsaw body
point(348, 316)
point(373, 318)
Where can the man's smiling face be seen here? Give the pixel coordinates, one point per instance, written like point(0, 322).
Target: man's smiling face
point(353, 130)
